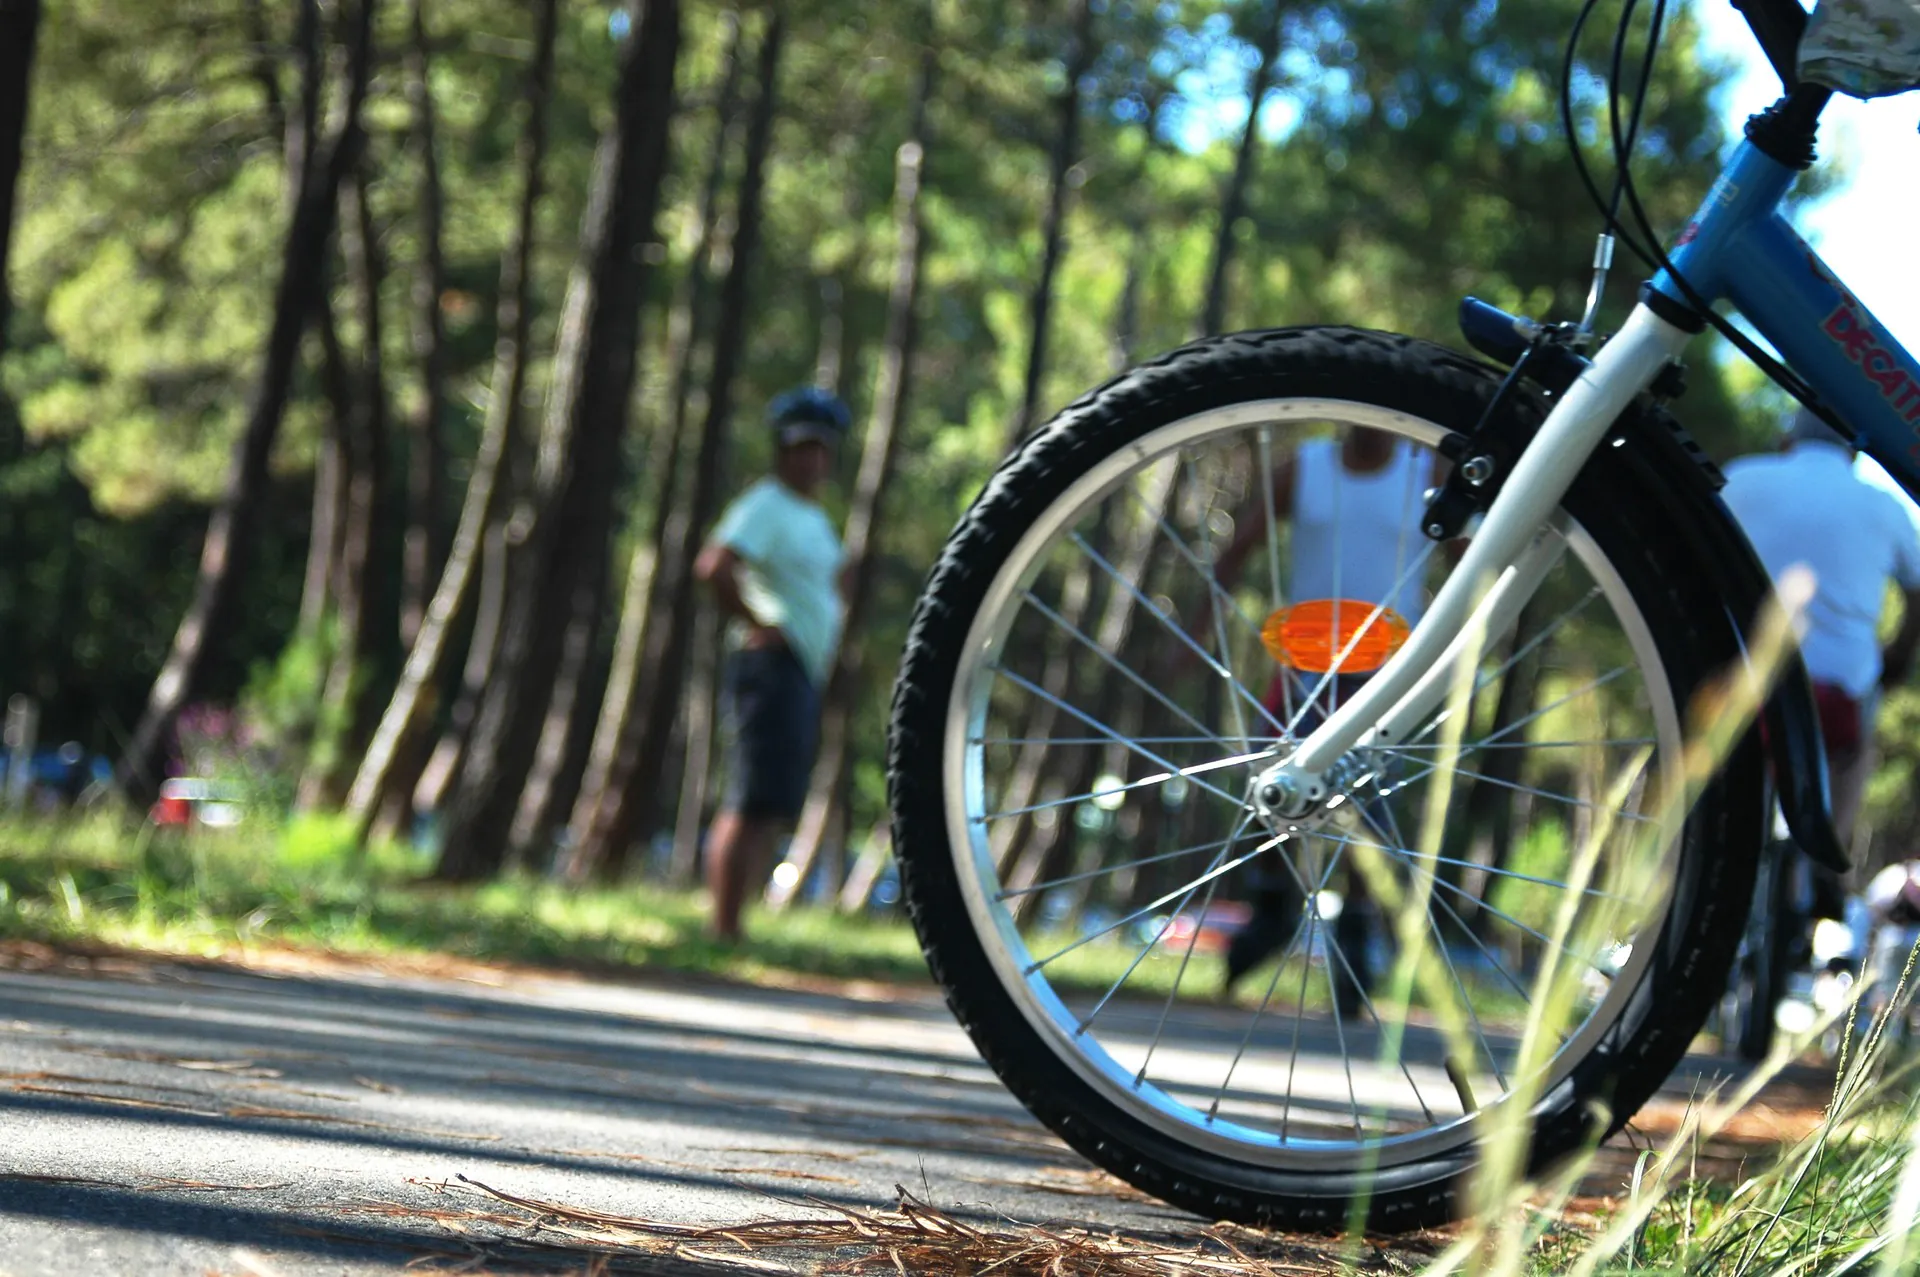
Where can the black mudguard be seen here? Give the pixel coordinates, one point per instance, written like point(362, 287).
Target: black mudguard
point(1672, 466)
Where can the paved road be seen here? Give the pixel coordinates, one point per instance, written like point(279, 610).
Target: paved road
point(176, 1119)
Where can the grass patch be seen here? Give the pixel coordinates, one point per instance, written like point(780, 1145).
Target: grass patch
point(217, 893)
point(212, 893)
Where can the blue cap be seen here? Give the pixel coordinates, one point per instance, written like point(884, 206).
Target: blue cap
point(808, 413)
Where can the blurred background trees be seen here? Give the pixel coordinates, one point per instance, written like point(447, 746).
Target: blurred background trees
point(373, 369)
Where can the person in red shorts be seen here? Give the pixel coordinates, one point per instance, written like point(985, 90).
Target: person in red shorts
point(1805, 507)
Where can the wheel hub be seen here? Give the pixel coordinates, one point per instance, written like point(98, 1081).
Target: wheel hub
point(1287, 800)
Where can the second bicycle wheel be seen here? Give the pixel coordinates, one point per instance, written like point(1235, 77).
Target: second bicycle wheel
point(1164, 591)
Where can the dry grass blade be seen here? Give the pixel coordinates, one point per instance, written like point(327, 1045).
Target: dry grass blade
point(167, 1183)
point(777, 1172)
point(913, 1237)
point(239, 1068)
point(122, 1101)
point(25, 1177)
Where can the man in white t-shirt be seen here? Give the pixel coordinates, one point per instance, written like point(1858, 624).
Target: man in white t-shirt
point(774, 564)
point(1805, 507)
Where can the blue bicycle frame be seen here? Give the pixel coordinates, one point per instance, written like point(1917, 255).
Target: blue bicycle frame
point(1740, 248)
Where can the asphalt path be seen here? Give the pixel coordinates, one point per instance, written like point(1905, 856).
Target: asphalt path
point(173, 1118)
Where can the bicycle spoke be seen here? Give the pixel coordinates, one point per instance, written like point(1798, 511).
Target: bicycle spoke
point(1299, 1018)
point(1140, 957)
point(1012, 892)
point(1114, 735)
point(1092, 740)
point(1619, 741)
point(1179, 977)
point(1346, 1060)
point(1219, 621)
point(1549, 794)
point(1125, 671)
point(1215, 871)
point(1446, 953)
point(1216, 592)
point(1168, 623)
point(1145, 782)
point(1310, 913)
point(1275, 599)
point(1512, 873)
point(1412, 859)
point(1519, 654)
point(1467, 748)
point(1336, 951)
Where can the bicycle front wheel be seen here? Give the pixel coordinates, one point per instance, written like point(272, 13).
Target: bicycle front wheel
point(1167, 588)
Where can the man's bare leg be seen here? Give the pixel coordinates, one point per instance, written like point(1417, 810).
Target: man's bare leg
point(737, 851)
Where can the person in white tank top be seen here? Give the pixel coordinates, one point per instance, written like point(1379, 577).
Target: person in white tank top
point(1353, 506)
point(1356, 511)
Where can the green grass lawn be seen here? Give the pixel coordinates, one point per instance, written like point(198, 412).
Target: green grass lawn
point(221, 892)
point(98, 881)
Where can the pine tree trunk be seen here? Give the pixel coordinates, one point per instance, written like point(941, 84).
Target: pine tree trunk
point(19, 25)
point(430, 791)
point(830, 357)
point(398, 771)
point(323, 545)
point(1023, 856)
point(425, 549)
point(1062, 176)
point(1233, 201)
point(878, 454)
point(701, 730)
point(561, 756)
point(603, 831)
point(329, 462)
point(345, 704)
point(262, 65)
point(586, 415)
point(231, 530)
point(685, 324)
point(393, 765)
point(692, 298)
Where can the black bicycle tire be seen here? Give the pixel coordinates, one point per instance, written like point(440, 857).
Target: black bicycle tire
point(1698, 937)
point(1770, 958)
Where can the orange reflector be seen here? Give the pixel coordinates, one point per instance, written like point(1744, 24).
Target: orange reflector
point(1306, 637)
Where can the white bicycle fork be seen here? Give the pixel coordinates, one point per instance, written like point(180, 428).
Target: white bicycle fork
point(1514, 549)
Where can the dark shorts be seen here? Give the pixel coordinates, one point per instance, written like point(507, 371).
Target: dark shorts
point(770, 714)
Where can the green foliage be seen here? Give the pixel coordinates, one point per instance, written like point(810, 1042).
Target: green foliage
point(1407, 156)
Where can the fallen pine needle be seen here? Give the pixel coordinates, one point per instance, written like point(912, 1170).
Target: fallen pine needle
point(912, 1237)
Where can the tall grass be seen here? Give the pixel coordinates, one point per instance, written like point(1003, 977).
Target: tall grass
point(1846, 1198)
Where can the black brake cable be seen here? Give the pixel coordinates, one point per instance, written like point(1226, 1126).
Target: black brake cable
point(1609, 209)
point(1651, 253)
point(1778, 372)
point(1623, 147)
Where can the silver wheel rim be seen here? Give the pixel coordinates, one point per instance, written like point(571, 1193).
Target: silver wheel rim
point(1171, 1108)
